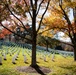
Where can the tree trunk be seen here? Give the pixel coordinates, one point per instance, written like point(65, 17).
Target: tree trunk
point(75, 52)
point(34, 35)
point(33, 60)
point(47, 45)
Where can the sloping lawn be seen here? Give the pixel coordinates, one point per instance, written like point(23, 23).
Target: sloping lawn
point(59, 66)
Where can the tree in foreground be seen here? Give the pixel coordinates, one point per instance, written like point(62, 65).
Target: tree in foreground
point(19, 8)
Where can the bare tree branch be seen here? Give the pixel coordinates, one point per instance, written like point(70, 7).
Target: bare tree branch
point(39, 7)
point(31, 2)
point(17, 19)
point(68, 21)
point(60, 29)
point(27, 7)
point(70, 44)
point(43, 15)
point(15, 16)
point(16, 23)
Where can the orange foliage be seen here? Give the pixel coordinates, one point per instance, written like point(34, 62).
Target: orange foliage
point(20, 2)
point(2, 35)
point(6, 32)
point(74, 26)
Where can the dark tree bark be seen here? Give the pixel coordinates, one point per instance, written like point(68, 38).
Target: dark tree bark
point(34, 35)
point(74, 52)
point(33, 59)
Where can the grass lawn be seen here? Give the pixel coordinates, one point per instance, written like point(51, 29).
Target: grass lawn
point(60, 65)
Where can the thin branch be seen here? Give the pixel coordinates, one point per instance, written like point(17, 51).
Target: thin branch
point(44, 31)
point(74, 14)
point(68, 21)
point(43, 15)
point(36, 4)
point(16, 17)
point(16, 24)
point(27, 7)
point(52, 28)
point(66, 43)
point(66, 17)
point(39, 7)
point(31, 2)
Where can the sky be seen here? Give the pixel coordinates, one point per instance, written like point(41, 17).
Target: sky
point(60, 36)
point(71, 15)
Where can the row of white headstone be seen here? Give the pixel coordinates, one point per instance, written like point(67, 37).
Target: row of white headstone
point(41, 54)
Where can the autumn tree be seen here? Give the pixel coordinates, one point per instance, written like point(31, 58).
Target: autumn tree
point(71, 27)
point(46, 36)
point(19, 8)
point(48, 42)
point(61, 19)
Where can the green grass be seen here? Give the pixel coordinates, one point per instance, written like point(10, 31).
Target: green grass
point(61, 65)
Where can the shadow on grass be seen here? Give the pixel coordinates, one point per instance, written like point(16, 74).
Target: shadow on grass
point(68, 67)
point(71, 69)
point(26, 62)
